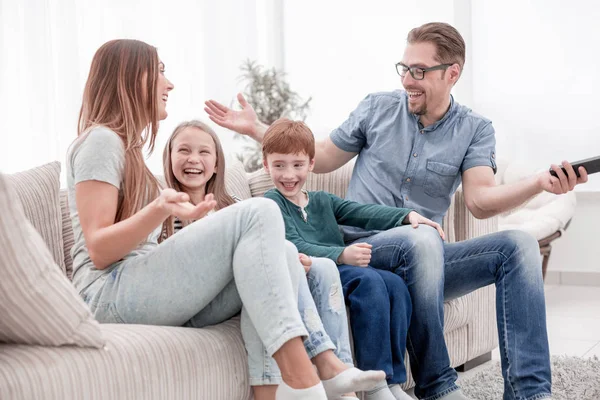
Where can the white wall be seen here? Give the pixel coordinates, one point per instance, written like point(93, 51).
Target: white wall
point(340, 51)
point(532, 68)
point(535, 75)
point(578, 249)
point(46, 48)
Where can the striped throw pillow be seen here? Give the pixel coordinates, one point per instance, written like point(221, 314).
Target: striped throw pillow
point(37, 190)
point(38, 304)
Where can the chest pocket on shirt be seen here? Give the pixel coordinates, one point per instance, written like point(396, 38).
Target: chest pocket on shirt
point(439, 178)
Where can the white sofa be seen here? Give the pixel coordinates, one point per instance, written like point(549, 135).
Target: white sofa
point(545, 217)
point(154, 362)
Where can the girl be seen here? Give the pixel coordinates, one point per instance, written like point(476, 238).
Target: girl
point(117, 212)
point(194, 163)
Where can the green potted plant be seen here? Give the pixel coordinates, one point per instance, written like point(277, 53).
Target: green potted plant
point(272, 98)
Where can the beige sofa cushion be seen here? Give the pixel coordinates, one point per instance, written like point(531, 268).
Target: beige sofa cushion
point(235, 179)
point(38, 304)
point(67, 233)
point(37, 190)
point(138, 362)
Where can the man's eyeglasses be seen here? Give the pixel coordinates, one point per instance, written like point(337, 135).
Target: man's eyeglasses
point(418, 73)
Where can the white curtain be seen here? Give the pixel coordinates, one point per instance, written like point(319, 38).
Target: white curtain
point(46, 47)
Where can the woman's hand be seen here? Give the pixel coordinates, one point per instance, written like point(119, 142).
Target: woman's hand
point(178, 204)
point(414, 218)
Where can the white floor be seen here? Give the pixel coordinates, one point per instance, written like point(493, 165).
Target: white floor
point(573, 320)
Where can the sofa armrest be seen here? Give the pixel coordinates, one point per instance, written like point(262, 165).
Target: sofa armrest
point(466, 226)
point(482, 330)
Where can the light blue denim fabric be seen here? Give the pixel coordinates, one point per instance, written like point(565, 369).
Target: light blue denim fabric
point(321, 306)
point(236, 258)
point(435, 271)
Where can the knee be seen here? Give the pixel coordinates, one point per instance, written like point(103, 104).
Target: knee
point(324, 270)
point(372, 285)
point(424, 242)
point(262, 207)
point(522, 252)
point(324, 281)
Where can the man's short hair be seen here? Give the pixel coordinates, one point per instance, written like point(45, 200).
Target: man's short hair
point(285, 136)
point(450, 45)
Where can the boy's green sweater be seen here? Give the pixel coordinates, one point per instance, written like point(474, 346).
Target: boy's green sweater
point(319, 235)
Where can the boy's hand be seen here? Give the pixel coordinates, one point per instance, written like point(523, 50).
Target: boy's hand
point(358, 254)
point(415, 219)
point(305, 261)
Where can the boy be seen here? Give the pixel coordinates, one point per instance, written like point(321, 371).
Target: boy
point(379, 302)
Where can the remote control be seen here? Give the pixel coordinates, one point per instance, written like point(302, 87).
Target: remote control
point(591, 165)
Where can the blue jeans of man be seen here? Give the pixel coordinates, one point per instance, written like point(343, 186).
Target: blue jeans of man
point(435, 271)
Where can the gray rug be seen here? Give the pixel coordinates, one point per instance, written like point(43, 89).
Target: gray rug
point(572, 378)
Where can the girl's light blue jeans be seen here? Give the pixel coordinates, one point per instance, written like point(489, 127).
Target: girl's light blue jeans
point(235, 259)
point(322, 308)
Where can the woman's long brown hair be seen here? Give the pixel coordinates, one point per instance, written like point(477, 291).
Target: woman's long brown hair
point(215, 185)
point(120, 94)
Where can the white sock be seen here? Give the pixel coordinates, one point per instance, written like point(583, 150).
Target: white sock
point(380, 392)
point(398, 393)
point(284, 392)
point(352, 380)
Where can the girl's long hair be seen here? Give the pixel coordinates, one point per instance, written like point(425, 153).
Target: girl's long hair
point(120, 94)
point(215, 185)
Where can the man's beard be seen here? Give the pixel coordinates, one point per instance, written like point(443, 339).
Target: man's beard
point(419, 110)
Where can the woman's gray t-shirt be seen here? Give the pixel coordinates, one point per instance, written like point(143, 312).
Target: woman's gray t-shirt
point(98, 155)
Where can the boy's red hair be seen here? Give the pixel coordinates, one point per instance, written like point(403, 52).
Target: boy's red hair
point(285, 136)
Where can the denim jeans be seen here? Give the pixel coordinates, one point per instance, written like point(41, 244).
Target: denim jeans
point(327, 298)
point(380, 310)
point(321, 306)
point(234, 259)
point(435, 271)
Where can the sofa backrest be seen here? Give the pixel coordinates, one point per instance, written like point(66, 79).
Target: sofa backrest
point(255, 184)
point(335, 182)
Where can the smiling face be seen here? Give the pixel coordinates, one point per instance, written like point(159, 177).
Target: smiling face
point(193, 158)
point(432, 92)
point(289, 172)
point(163, 87)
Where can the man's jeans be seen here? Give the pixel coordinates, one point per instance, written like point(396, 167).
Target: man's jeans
point(435, 271)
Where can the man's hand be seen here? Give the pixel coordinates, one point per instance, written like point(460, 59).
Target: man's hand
point(245, 121)
point(564, 183)
point(358, 254)
point(414, 218)
point(305, 261)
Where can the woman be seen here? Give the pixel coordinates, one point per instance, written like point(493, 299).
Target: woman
point(197, 276)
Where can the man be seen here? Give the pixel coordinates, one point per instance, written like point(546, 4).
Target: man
point(414, 149)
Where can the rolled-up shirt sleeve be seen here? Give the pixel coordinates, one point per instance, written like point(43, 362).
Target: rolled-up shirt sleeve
point(482, 150)
point(351, 136)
